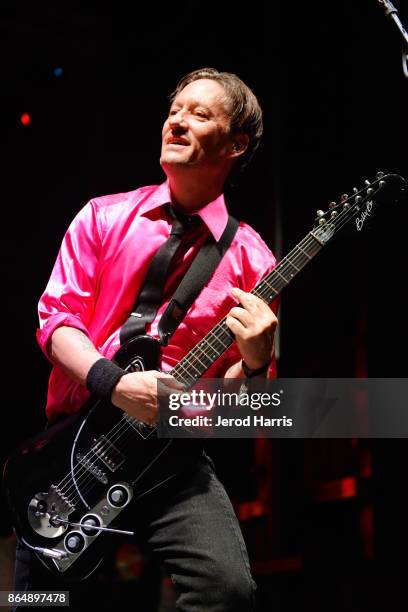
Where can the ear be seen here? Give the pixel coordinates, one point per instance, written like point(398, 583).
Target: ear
point(239, 145)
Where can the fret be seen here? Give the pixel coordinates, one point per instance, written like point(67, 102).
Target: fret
point(293, 265)
point(227, 335)
point(281, 275)
point(195, 351)
point(268, 284)
point(198, 360)
point(305, 246)
point(213, 350)
point(188, 358)
point(219, 346)
point(289, 273)
point(184, 377)
point(179, 371)
point(303, 251)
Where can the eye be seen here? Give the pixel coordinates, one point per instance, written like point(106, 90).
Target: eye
point(201, 114)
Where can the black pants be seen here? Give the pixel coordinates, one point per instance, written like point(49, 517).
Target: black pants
point(192, 529)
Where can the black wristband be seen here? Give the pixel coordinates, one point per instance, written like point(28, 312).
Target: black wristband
point(258, 372)
point(102, 378)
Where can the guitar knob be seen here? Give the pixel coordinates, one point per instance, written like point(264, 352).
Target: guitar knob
point(74, 542)
point(89, 521)
point(118, 496)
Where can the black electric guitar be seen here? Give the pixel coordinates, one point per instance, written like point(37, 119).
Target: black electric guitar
point(70, 486)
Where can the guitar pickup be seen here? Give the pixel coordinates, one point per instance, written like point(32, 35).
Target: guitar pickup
point(108, 454)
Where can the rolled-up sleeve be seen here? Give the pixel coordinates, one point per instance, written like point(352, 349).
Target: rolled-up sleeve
point(69, 297)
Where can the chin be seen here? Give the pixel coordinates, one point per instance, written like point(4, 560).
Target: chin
point(174, 161)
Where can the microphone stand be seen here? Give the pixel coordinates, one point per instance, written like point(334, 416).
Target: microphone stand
point(392, 14)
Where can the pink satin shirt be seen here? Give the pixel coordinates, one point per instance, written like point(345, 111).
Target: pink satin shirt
point(101, 266)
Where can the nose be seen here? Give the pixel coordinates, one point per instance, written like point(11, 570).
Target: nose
point(177, 121)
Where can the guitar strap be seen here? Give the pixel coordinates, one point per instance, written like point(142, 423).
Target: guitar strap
point(199, 273)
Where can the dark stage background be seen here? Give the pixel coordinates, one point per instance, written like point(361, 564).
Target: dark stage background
point(325, 520)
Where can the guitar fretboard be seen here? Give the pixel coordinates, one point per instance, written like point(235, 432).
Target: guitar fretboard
point(220, 338)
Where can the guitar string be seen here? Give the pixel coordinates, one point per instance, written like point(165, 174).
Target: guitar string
point(264, 288)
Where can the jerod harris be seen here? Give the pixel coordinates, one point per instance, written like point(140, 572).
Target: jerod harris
point(251, 420)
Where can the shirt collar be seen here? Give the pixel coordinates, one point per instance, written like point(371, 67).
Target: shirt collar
point(214, 214)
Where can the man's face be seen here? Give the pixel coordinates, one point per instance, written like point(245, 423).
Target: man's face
point(196, 132)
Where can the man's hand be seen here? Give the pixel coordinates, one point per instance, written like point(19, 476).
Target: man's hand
point(136, 394)
point(253, 324)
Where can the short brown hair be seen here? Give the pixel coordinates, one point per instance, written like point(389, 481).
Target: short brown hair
point(243, 109)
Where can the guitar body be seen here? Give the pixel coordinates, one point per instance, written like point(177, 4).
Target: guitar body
point(88, 469)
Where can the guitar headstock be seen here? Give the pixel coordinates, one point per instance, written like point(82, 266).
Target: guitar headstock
point(360, 206)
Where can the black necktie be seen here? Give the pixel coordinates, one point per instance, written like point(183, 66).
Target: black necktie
point(151, 294)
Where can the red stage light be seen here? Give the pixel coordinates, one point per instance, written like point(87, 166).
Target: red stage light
point(25, 119)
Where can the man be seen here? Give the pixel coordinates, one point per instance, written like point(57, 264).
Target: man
point(214, 124)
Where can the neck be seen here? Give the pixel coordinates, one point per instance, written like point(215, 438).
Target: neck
point(192, 193)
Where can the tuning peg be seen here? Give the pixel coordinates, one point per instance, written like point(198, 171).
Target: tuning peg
point(332, 205)
point(379, 174)
point(344, 197)
point(355, 190)
point(358, 199)
point(333, 214)
point(381, 183)
point(370, 191)
point(366, 182)
point(320, 213)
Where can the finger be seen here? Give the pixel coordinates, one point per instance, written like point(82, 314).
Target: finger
point(235, 326)
point(168, 380)
point(247, 300)
point(242, 315)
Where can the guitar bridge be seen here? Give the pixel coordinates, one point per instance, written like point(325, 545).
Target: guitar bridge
point(89, 465)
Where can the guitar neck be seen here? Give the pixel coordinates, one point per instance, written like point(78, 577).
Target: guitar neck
point(357, 207)
point(219, 339)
